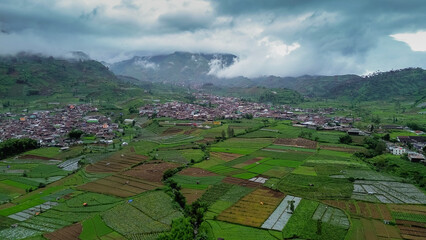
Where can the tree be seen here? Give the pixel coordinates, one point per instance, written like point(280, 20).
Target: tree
point(230, 132)
point(181, 229)
point(386, 137)
point(223, 134)
point(319, 227)
point(75, 134)
point(424, 149)
point(345, 139)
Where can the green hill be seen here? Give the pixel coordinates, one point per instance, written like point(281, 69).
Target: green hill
point(34, 77)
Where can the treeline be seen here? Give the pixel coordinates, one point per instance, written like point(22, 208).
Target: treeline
point(12, 147)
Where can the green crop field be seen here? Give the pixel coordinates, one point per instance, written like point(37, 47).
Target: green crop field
point(152, 212)
point(305, 171)
point(218, 229)
point(241, 145)
point(94, 228)
point(50, 152)
point(301, 224)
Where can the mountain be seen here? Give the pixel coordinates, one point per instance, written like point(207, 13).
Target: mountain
point(197, 69)
point(178, 67)
point(34, 76)
point(404, 83)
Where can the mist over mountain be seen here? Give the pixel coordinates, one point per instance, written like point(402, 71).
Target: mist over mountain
point(196, 69)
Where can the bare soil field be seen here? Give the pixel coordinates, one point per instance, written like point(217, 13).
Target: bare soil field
point(151, 172)
point(192, 195)
point(197, 172)
point(296, 142)
point(67, 233)
point(225, 156)
point(116, 163)
point(241, 182)
point(120, 185)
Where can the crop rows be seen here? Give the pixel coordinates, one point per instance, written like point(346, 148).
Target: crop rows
point(253, 209)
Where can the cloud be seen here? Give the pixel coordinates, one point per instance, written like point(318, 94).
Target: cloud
point(273, 37)
point(416, 41)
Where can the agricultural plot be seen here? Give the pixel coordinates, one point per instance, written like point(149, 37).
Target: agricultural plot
point(291, 148)
point(71, 164)
point(296, 142)
point(303, 170)
point(196, 172)
point(411, 229)
point(367, 174)
point(31, 212)
point(253, 209)
point(215, 192)
point(332, 216)
point(152, 212)
point(150, 171)
point(116, 163)
point(342, 148)
point(174, 139)
point(242, 182)
point(66, 233)
point(94, 228)
point(387, 192)
point(365, 210)
point(374, 229)
point(319, 187)
point(228, 199)
point(241, 145)
point(279, 218)
point(192, 195)
point(225, 156)
point(195, 182)
point(171, 156)
point(50, 152)
point(301, 225)
point(224, 230)
point(120, 185)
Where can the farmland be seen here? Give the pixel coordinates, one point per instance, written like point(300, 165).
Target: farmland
point(269, 182)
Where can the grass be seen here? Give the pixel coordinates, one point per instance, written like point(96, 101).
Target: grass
point(292, 148)
point(305, 171)
point(323, 187)
point(94, 228)
point(49, 152)
point(241, 145)
point(245, 175)
point(409, 217)
point(283, 163)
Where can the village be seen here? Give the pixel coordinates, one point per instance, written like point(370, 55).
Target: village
point(50, 127)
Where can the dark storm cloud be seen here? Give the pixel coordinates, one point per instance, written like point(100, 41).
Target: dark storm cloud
point(281, 37)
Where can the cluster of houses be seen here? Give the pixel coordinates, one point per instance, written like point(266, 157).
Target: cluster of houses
point(415, 142)
point(210, 107)
point(50, 128)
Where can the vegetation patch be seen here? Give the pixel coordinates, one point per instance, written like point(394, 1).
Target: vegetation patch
point(253, 209)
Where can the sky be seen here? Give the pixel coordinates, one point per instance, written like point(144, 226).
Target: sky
point(270, 37)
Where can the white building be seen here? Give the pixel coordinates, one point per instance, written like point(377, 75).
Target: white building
point(398, 151)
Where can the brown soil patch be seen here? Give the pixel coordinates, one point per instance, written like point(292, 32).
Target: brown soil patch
point(196, 172)
point(413, 231)
point(152, 172)
point(189, 131)
point(132, 149)
point(225, 156)
point(172, 130)
point(416, 209)
point(248, 162)
point(67, 233)
point(6, 205)
point(296, 142)
point(116, 163)
point(241, 182)
point(120, 185)
point(192, 195)
point(410, 223)
point(29, 156)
